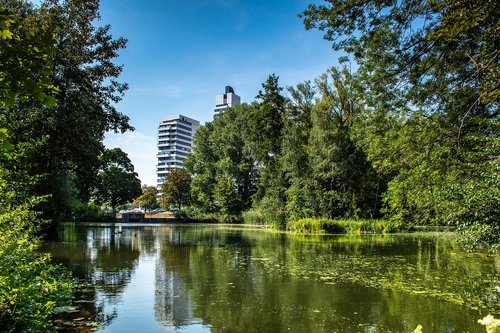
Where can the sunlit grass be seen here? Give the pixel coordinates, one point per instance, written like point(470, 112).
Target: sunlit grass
point(342, 226)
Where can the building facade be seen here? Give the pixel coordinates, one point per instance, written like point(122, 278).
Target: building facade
point(175, 141)
point(226, 100)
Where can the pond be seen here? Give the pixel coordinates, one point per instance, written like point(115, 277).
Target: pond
point(216, 278)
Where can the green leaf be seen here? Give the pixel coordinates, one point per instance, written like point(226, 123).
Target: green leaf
point(6, 34)
point(49, 101)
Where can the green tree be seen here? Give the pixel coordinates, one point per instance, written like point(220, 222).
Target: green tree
point(118, 183)
point(221, 151)
point(31, 286)
point(342, 181)
point(147, 199)
point(202, 164)
point(267, 121)
point(226, 198)
point(64, 139)
point(430, 71)
point(431, 49)
point(235, 160)
point(295, 142)
point(175, 191)
point(26, 57)
point(265, 141)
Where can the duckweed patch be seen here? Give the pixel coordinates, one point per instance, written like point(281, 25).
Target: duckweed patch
point(435, 271)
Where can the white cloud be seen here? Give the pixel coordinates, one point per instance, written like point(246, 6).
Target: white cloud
point(141, 150)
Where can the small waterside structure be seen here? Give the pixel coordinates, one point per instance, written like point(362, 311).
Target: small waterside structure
point(131, 217)
point(138, 216)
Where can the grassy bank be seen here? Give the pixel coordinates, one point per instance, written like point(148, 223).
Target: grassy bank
point(307, 225)
point(342, 226)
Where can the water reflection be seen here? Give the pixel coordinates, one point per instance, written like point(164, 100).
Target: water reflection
point(172, 305)
point(221, 279)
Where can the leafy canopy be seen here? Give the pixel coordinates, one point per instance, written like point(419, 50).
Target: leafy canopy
point(147, 199)
point(118, 183)
point(175, 191)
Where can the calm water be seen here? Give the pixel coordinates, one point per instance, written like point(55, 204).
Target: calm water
point(182, 278)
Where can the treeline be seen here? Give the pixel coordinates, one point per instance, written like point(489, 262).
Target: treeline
point(412, 134)
point(322, 152)
point(286, 158)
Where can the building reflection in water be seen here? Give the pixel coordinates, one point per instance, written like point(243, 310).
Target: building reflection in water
point(173, 306)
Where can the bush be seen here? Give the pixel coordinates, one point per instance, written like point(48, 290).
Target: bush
point(194, 213)
point(316, 225)
point(30, 285)
point(253, 216)
point(271, 213)
point(480, 235)
point(90, 212)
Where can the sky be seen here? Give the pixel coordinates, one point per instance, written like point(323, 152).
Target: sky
point(181, 53)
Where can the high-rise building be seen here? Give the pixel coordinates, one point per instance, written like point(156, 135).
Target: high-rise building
point(226, 100)
point(175, 141)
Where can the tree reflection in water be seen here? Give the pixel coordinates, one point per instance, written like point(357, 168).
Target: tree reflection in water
point(226, 279)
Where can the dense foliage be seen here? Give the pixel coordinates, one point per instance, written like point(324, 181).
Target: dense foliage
point(412, 134)
point(57, 99)
point(175, 191)
point(30, 285)
point(429, 75)
point(286, 158)
point(147, 200)
point(61, 62)
point(117, 183)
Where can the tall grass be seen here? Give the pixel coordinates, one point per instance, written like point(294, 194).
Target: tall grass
point(342, 226)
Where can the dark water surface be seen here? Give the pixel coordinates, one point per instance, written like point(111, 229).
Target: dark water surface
point(209, 278)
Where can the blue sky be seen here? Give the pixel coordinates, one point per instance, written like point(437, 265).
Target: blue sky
point(181, 53)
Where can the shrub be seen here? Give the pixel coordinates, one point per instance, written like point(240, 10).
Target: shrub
point(30, 285)
point(253, 216)
point(271, 213)
point(193, 213)
point(90, 212)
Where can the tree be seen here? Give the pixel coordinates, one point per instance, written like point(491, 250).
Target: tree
point(294, 159)
point(221, 151)
point(202, 164)
point(434, 48)
point(341, 180)
point(431, 89)
point(64, 139)
point(267, 121)
point(26, 57)
point(176, 189)
point(227, 200)
point(235, 161)
point(118, 183)
point(265, 140)
point(30, 285)
point(147, 199)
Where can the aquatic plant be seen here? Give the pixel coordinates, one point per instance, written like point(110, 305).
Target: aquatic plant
point(349, 226)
